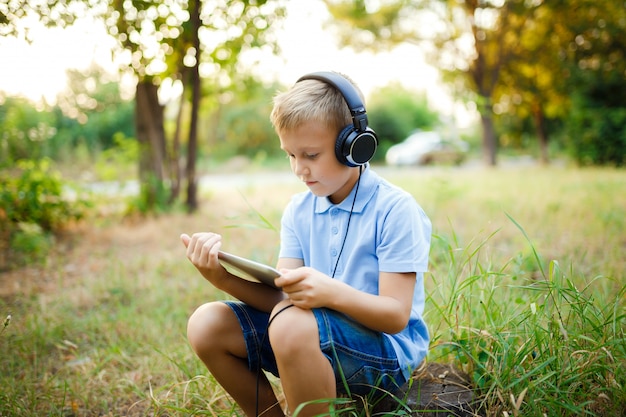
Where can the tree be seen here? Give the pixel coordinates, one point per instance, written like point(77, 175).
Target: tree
point(160, 40)
point(595, 60)
point(532, 83)
point(567, 71)
point(214, 34)
point(552, 63)
point(470, 40)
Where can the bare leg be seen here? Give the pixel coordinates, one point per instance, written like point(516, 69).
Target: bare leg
point(215, 335)
point(305, 373)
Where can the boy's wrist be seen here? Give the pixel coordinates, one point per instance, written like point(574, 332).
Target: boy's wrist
point(215, 277)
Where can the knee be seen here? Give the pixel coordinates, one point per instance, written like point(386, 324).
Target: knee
point(292, 331)
point(203, 326)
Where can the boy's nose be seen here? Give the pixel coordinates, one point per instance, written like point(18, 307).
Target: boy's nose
point(300, 168)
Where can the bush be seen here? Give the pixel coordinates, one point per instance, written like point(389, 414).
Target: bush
point(394, 112)
point(598, 136)
point(32, 209)
point(597, 123)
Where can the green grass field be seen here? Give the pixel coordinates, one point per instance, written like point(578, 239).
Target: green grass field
point(526, 293)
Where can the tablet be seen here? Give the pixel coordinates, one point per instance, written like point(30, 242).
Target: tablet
point(248, 269)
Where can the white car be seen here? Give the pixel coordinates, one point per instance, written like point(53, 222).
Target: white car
point(423, 148)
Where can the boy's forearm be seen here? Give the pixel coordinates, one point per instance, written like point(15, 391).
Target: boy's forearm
point(377, 312)
point(259, 296)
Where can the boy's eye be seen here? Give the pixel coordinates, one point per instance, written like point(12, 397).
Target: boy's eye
point(306, 155)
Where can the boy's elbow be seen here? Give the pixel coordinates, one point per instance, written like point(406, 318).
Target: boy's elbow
point(397, 324)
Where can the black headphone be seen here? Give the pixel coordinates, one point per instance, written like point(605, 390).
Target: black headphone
point(356, 143)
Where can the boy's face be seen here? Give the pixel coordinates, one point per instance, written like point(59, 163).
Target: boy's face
point(311, 151)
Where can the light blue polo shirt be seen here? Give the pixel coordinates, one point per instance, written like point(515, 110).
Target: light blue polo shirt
point(388, 232)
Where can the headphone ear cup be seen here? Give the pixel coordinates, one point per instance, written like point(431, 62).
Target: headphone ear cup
point(353, 148)
point(341, 151)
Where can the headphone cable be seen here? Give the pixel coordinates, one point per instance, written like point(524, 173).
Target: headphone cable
point(258, 374)
point(345, 237)
point(258, 370)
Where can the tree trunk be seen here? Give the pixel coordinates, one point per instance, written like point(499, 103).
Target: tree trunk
point(485, 82)
point(490, 143)
point(176, 160)
point(151, 138)
point(192, 151)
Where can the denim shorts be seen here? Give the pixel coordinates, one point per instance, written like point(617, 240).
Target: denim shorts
point(361, 358)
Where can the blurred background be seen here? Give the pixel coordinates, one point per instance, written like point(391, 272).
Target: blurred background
point(153, 95)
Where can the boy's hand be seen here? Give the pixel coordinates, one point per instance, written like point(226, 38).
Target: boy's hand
point(202, 249)
point(306, 287)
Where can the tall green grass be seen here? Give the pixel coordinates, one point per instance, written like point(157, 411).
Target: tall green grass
point(540, 345)
point(526, 293)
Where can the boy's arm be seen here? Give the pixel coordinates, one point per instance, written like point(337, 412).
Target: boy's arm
point(389, 311)
point(260, 296)
point(202, 250)
point(289, 263)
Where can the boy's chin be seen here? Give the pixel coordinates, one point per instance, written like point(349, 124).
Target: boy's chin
point(318, 193)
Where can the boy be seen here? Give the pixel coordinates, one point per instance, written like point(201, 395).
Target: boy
point(352, 256)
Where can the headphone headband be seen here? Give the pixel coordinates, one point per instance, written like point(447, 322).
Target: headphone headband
point(349, 93)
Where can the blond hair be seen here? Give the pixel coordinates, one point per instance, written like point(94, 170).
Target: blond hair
point(311, 100)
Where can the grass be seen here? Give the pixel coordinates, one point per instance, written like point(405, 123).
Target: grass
point(526, 293)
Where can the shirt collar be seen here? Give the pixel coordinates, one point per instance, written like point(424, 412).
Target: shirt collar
point(367, 187)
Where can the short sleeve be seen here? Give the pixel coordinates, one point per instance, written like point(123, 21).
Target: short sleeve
point(290, 245)
point(405, 239)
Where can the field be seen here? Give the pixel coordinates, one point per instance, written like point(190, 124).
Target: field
point(526, 293)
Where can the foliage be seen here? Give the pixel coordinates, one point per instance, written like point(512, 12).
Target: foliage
point(35, 196)
point(93, 110)
point(158, 41)
point(85, 118)
point(112, 164)
point(25, 132)
point(468, 41)
point(53, 13)
point(518, 61)
point(32, 207)
point(238, 125)
point(555, 341)
point(172, 41)
point(596, 64)
point(394, 112)
point(597, 132)
point(242, 125)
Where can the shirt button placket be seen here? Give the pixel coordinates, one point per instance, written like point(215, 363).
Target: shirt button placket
point(334, 236)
